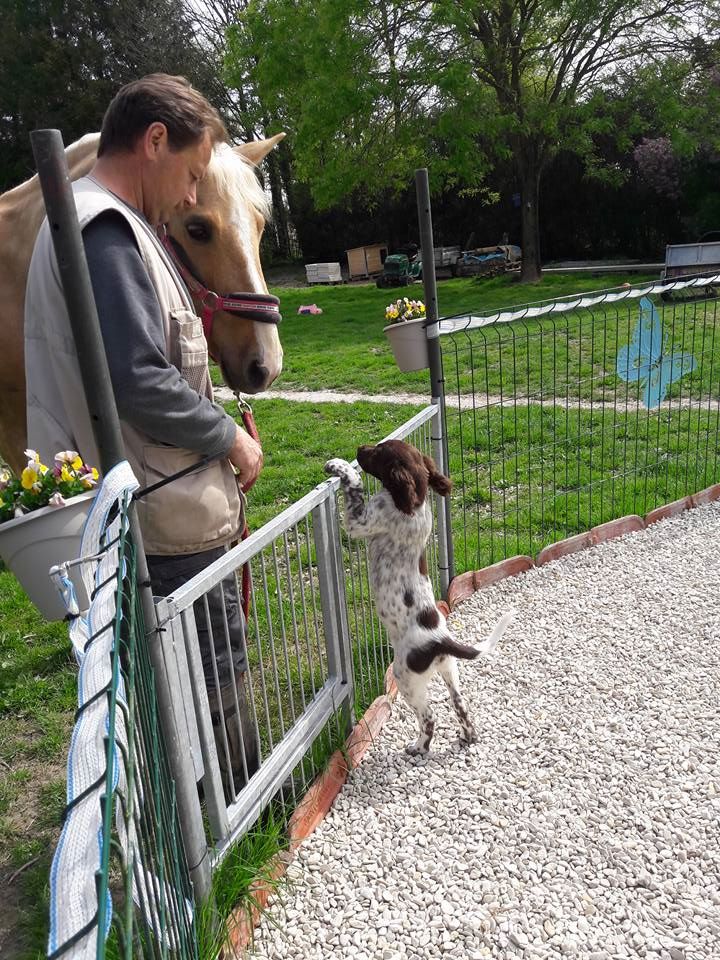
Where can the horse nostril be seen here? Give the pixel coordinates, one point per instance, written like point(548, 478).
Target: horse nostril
point(257, 374)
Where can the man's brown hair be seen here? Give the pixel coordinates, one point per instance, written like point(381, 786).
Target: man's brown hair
point(159, 98)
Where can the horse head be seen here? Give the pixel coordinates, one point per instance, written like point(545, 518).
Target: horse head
point(218, 241)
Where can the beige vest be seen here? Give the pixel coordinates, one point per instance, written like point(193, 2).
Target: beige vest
point(195, 513)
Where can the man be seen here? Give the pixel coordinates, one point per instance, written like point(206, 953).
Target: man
point(155, 146)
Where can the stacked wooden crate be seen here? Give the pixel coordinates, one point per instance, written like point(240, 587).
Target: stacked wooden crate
point(323, 273)
point(366, 261)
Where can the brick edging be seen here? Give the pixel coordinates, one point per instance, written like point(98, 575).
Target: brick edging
point(309, 814)
point(465, 585)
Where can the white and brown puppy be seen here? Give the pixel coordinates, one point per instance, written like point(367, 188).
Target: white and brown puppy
point(397, 522)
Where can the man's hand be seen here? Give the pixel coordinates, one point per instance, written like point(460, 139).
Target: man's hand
point(247, 457)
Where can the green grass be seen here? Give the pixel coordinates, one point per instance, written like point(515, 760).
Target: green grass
point(346, 350)
point(37, 699)
point(529, 475)
point(575, 355)
point(298, 438)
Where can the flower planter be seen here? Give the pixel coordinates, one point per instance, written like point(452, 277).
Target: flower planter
point(33, 543)
point(408, 341)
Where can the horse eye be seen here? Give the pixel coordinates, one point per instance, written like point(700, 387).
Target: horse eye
point(198, 231)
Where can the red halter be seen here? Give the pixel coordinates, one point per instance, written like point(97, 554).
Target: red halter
point(261, 307)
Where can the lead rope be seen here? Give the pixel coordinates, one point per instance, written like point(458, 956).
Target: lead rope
point(248, 420)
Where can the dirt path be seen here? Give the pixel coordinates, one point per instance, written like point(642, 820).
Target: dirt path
point(469, 402)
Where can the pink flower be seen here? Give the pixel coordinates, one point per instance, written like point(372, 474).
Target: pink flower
point(56, 500)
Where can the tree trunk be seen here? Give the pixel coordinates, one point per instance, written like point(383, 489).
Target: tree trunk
point(531, 270)
point(280, 214)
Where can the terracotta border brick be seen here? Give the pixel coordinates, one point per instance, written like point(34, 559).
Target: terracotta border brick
point(554, 551)
point(673, 509)
point(706, 496)
point(317, 801)
point(461, 588)
point(367, 729)
point(617, 528)
point(242, 923)
point(500, 571)
point(464, 586)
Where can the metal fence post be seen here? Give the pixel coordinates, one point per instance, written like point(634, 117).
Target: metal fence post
point(49, 153)
point(437, 380)
point(331, 582)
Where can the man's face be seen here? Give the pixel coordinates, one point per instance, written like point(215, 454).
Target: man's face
point(173, 177)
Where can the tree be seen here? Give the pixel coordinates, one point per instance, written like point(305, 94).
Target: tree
point(374, 88)
point(61, 61)
point(344, 78)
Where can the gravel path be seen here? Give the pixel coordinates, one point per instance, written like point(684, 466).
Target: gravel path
point(466, 402)
point(586, 821)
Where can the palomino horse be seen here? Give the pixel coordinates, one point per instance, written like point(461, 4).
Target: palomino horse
point(218, 240)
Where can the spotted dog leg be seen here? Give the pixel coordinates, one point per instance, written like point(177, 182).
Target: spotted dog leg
point(448, 670)
point(414, 690)
point(351, 485)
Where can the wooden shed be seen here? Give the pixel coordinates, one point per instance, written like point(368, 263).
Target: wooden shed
point(366, 261)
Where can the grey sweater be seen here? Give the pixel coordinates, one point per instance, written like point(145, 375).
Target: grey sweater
point(149, 391)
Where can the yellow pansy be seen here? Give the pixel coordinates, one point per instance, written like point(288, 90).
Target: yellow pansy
point(65, 474)
point(29, 478)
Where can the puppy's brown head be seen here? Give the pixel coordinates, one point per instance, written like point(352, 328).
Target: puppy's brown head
point(404, 472)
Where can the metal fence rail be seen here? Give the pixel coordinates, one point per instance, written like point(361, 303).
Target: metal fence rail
point(316, 654)
point(563, 415)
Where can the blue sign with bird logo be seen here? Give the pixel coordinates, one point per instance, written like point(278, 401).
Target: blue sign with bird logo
point(645, 361)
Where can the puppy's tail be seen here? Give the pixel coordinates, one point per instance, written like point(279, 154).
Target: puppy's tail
point(455, 649)
point(487, 646)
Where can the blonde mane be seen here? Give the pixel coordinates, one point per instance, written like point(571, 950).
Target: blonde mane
point(236, 176)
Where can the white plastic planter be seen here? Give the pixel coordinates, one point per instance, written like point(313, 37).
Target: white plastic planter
point(33, 543)
point(408, 341)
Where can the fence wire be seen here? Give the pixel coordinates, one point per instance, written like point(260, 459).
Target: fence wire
point(560, 419)
point(119, 885)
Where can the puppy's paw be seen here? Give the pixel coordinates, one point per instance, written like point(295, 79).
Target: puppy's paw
point(468, 736)
point(415, 750)
point(337, 467)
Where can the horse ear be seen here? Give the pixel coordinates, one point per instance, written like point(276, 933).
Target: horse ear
point(257, 150)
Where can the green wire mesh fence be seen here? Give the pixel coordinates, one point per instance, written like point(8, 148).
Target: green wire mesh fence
point(561, 416)
point(119, 884)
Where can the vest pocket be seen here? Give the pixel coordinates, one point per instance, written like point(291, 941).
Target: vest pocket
point(192, 513)
point(192, 352)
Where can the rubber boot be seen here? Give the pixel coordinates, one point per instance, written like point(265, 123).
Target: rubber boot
point(238, 734)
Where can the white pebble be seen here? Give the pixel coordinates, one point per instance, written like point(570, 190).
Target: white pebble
point(584, 823)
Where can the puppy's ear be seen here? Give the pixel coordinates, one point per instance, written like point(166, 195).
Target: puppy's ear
point(438, 481)
point(400, 483)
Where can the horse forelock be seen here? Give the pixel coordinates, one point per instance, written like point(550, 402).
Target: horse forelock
point(234, 176)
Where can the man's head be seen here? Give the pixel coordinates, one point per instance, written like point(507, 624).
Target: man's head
point(168, 130)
